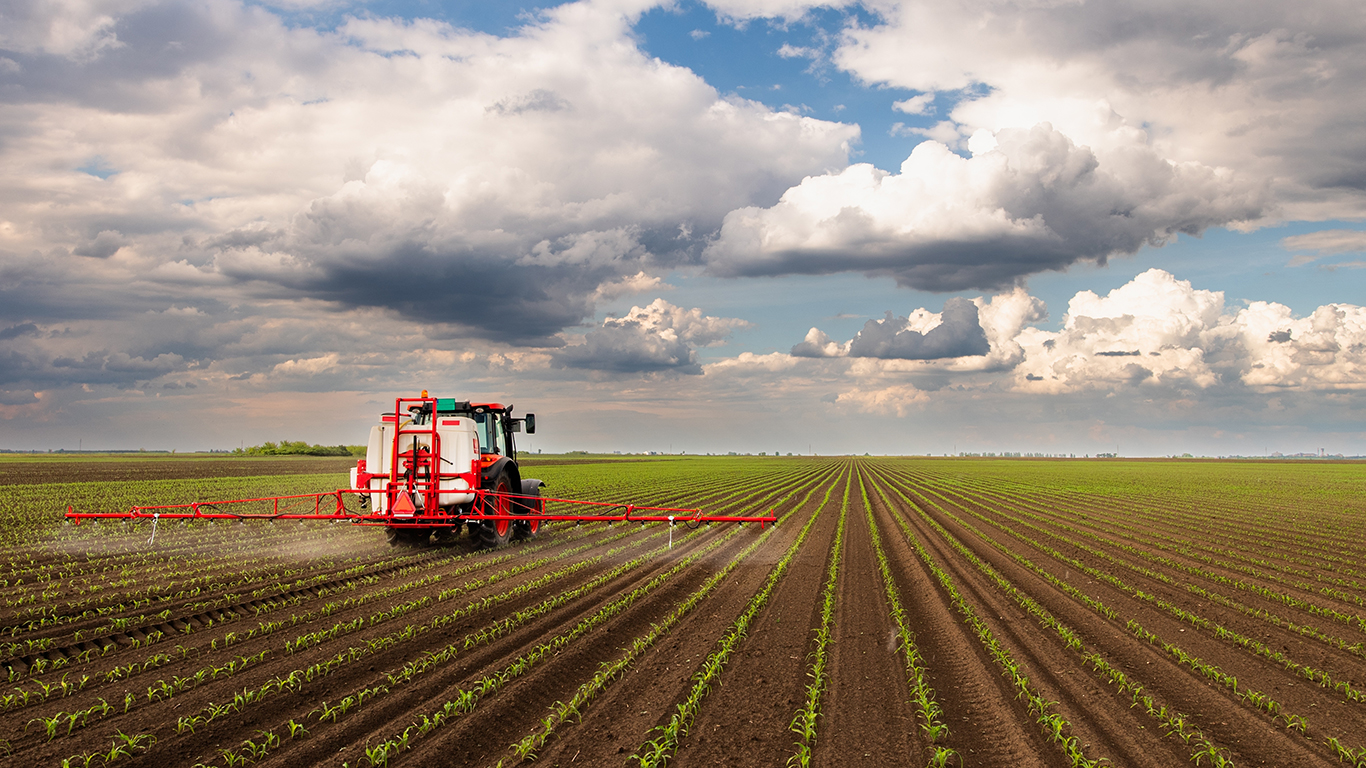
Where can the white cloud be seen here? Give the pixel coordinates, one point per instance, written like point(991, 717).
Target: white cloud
point(658, 337)
point(968, 336)
point(1328, 241)
point(1268, 89)
point(1030, 200)
point(916, 105)
point(818, 344)
point(739, 11)
point(1003, 318)
point(1149, 331)
point(629, 285)
point(1159, 331)
point(897, 399)
point(1325, 351)
point(955, 332)
point(369, 166)
point(748, 362)
point(76, 29)
point(1155, 340)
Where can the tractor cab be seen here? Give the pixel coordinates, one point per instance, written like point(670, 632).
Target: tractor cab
point(493, 422)
point(494, 436)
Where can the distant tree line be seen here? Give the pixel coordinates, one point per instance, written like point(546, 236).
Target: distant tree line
point(299, 448)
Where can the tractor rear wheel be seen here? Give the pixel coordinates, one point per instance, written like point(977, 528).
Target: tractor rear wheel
point(407, 537)
point(496, 533)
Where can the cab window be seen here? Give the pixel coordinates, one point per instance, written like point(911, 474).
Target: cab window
point(491, 438)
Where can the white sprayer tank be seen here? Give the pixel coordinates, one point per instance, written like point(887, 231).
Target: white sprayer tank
point(459, 449)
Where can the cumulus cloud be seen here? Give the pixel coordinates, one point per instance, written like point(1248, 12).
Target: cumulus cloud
point(15, 331)
point(818, 344)
point(1147, 331)
point(655, 338)
point(1268, 89)
point(1160, 331)
point(1167, 118)
point(1157, 339)
point(1027, 200)
point(983, 330)
point(957, 334)
point(487, 187)
point(632, 284)
point(104, 245)
point(916, 105)
point(1325, 351)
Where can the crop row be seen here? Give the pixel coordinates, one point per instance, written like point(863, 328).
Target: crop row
point(1053, 725)
point(928, 711)
point(1296, 723)
point(437, 659)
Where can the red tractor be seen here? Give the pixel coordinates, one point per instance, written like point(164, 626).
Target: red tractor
point(425, 461)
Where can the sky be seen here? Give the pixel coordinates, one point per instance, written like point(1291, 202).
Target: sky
point(1039, 226)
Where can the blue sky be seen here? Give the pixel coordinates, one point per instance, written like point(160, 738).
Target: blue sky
point(897, 227)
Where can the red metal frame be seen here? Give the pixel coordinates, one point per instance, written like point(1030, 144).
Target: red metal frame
point(196, 511)
point(416, 476)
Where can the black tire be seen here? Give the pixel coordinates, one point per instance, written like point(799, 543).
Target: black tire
point(407, 537)
point(528, 530)
point(496, 533)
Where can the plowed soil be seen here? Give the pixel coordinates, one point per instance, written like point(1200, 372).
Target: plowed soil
point(319, 644)
point(87, 470)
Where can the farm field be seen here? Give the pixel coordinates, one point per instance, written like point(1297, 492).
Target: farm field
point(904, 611)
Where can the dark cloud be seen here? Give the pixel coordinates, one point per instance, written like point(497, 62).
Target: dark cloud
point(456, 292)
point(15, 331)
point(959, 334)
point(243, 238)
point(157, 42)
point(116, 367)
point(539, 100)
point(1035, 202)
point(628, 347)
point(18, 397)
point(261, 160)
point(105, 244)
point(39, 369)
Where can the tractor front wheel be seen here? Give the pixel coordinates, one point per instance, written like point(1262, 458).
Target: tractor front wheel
point(496, 533)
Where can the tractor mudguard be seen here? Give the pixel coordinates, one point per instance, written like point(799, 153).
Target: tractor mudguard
point(491, 472)
point(532, 487)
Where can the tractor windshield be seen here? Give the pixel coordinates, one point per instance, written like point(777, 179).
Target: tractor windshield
point(491, 438)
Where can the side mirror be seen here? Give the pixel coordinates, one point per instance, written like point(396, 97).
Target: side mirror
point(531, 423)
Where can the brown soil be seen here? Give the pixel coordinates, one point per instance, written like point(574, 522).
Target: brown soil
point(130, 619)
point(121, 470)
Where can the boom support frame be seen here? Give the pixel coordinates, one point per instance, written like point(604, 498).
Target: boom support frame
point(331, 505)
